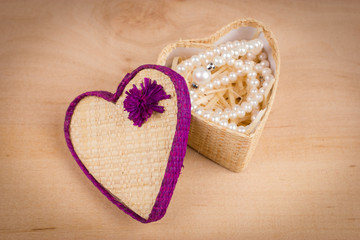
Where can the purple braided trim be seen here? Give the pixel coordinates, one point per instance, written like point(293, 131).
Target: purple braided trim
point(178, 148)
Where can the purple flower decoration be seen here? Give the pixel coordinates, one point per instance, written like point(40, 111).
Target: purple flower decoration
point(141, 103)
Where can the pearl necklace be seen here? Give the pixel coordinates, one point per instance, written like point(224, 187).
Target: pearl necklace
point(246, 60)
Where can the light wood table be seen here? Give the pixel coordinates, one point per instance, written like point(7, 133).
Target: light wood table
point(303, 181)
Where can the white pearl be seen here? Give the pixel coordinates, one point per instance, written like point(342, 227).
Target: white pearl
point(262, 56)
point(232, 77)
point(226, 113)
point(236, 43)
point(219, 61)
point(262, 90)
point(259, 97)
point(249, 62)
point(207, 114)
point(225, 80)
point(209, 85)
point(193, 106)
point(180, 68)
point(254, 103)
point(252, 74)
point(191, 92)
point(253, 90)
point(215, 118)
point(238, 63)
point(194, 96)
point(236, 53)
point(202, 56)
point(218, 111)
point(233, 114)
point(227, 55)
point(231, 62)
point(199, 111)
point(254, 115)
point(216, 51)
point(201, 75)
point(258, 67)
point(254, 82)
point(268, 77)
point(247, 106)
point(265, 63)
point(250, 47)
point(240, 73)
point(242, 51)
point(229, 45)
point(266, 71)
point(241, 129)
point(224, 123)
point(217, 83)
point(188, 64)
point(266, 84)
point(195, 60)
point(202, 89)
point(246, 68)
point(236, 107)
point(241, 112)
point(209, 53)
point(232, 126)
point(223, 48)
point(250, 56)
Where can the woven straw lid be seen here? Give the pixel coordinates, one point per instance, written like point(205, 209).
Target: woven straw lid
point(135, 167)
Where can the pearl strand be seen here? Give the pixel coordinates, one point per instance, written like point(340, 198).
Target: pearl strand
point(230, 54)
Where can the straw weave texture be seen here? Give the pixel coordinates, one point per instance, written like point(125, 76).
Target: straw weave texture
point(129, 161)
point(230, 149)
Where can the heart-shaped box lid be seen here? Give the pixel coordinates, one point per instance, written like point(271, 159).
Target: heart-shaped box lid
point(136, 168)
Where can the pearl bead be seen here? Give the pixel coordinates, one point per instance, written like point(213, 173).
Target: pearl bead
point(209, 85)
point(254, 115)
point(209, 53)
point(188, 64)
point(229, 45)
point(191, 92)
point(262, 90)
point(240, 73)
point(180, 68)
point(233, 114)
point(250, 63)
point(238, 63)
point(259, 97)
point(266, 71)
point(215, 118)
point(241, 112)
point(241, 129)
point(266, 84)
point(262, 56)
point(250, 47)
point(217, 83)
point(247, 106)
point(236, 107)
point(236, 43)
point(265, 63)
point(225, 80)
point(253, 90)
point(207, 114)
point(250, 56)
point(242, 51)
point(254, 82)
point(227, 55)
point(252, 74)
point(232, 126)
point(216, 51)
point(194, 96)
point(232, 77)
point(195, 60)
point(219, 61)
point(246, 68)
point(223, 48)
point(268, 77)
point(254, 103)
point(199, 111)
point(218, 111)
point(231, 62)
point(236, 53)
point(224, 123)
point(226, 113)
point(202, 89)
point(258, 67)
point(201, 75)
point(193, 106)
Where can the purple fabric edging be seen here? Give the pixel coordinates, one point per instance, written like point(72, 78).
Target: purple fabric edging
point(178, 148)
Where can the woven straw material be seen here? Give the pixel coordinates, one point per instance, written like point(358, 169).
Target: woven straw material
point(135, 167)
point(230, 149)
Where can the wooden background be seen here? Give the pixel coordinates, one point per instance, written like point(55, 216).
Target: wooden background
point(303, 181)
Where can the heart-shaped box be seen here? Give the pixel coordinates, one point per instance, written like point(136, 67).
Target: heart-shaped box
point(228, 148)
point(136, 168)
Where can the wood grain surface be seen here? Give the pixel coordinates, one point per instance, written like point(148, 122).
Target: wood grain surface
point(303, 181)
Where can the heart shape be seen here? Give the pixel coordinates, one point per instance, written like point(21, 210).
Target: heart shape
point(136, 168)
point(230, 149)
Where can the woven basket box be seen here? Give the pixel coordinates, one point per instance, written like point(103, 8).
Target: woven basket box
point(230, 149)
